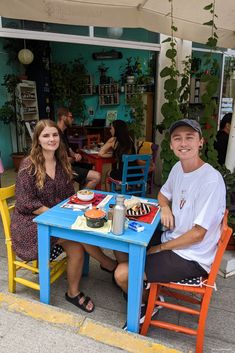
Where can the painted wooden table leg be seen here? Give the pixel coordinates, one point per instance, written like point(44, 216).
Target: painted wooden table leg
point(85, 271)
point(44, 268)
point(135, 286)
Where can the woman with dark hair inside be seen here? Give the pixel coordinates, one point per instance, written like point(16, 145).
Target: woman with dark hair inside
point(120, 143)
point(222, 137)
point(44, 180)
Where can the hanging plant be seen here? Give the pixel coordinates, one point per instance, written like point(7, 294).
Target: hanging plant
point(176, 93)
point(208, 123)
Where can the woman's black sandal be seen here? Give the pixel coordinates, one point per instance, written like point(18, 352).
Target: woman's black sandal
point(83, 306)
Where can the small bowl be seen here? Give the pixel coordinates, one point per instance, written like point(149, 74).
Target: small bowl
point(85, 195)
point(95, 218)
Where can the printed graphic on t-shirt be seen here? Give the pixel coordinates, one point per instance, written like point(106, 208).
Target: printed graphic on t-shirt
point(182, 198)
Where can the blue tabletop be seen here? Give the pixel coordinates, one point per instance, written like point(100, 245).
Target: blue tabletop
point(64, 218)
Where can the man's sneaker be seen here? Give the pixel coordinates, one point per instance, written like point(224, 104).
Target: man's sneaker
point(143, 312)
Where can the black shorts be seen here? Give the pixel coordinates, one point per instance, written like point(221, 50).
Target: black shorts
point(166, 266)
point(80, 171)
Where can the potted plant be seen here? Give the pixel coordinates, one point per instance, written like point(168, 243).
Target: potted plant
point(131, 70)
point(68, 86)
point(9, 115)
point(103, 70)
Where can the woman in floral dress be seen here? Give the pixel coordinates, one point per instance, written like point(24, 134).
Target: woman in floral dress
point(44, 180)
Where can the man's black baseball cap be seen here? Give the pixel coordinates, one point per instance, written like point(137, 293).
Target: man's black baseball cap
point(186, 122)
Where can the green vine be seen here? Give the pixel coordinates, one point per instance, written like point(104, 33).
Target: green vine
point(209, 124)
point(176, 96)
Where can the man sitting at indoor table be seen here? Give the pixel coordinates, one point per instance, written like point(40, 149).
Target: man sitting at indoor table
point(83, 172)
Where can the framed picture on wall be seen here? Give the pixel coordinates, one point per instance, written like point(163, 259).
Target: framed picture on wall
point(111, 116)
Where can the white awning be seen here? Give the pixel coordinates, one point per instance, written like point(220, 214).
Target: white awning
point(152, 15)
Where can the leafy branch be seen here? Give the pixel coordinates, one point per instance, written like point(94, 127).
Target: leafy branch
point(176, 93)
point(208, 123)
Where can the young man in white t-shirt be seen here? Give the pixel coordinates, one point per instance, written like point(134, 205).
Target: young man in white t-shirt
point(192, 207)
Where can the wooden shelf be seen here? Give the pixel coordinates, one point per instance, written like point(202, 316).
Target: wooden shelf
point(108, 94)
point(132, 89)
point(26, 94)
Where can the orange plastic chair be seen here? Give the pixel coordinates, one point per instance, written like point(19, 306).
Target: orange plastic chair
point(93, 139)
point(204, 291)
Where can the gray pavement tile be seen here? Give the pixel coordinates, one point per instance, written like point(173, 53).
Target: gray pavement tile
point(213, 345)
point(29, 335)
point(223, 298)
point(225, 282)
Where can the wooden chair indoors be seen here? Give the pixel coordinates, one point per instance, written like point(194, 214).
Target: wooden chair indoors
point(15, 265)
point(135, 167)
point(151, 148)
point(199, 295)
point(93, 140)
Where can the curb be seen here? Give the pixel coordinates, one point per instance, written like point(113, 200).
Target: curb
point(81, 325)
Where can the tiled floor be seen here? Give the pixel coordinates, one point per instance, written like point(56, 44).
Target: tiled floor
point(111, 307)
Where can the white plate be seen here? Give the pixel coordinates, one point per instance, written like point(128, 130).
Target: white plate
point(91, 151)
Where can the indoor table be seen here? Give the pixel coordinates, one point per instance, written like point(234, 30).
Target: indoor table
point(57, 222)
point(98, 161)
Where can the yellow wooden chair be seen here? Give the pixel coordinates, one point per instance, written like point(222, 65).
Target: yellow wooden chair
point(14, 265)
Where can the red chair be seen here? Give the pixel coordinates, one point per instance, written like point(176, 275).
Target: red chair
point(204, 292)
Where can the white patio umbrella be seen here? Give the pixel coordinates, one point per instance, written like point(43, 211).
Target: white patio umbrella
point(149, 14)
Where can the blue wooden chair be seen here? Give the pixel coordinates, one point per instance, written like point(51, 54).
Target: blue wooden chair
point(134, 175)
point(146, 147)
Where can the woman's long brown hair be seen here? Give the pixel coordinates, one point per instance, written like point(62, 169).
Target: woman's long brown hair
point(37, 165)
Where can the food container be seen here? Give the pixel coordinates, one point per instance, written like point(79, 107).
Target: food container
point(95, 218)
point(85, 195)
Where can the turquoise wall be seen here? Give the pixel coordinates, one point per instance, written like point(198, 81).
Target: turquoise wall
point(63, 52)
point(5, 134)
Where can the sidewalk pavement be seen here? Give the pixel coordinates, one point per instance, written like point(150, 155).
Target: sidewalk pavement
point(26, 325)
point(29, 326)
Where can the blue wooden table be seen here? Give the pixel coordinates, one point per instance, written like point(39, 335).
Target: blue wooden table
point(57, 222)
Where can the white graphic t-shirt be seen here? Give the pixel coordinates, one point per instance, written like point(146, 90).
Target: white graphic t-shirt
point(198, 198)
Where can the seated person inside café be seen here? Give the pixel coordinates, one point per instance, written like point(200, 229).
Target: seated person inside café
point(83, 173)
point(44, 180)
point(222, 137)
point(192, 204)
point(120, 143)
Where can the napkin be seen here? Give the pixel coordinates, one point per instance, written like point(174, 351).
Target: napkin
point(80, 224)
